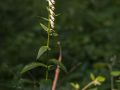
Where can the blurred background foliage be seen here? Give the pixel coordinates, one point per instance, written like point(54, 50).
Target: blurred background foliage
point(89, 31)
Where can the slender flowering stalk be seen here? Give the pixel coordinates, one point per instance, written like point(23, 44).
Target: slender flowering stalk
point(50, 32)
point(51, 19)
point(51, 9)
point(51, 25)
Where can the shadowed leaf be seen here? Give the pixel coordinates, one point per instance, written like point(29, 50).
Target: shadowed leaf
point(56, 62)
point(32, 66)
point(45, 19)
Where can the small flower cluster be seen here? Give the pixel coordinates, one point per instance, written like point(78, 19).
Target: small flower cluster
point(51, 9)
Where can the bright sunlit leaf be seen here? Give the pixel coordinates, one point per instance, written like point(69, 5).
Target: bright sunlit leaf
point(92, 76)
point(115, 73)
point(100, 78)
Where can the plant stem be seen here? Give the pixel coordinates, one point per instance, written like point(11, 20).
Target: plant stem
point(48, 39)
point(48, 32)
point(111, 78)
point(57, 71)
point(46, 75)
point(88, 85)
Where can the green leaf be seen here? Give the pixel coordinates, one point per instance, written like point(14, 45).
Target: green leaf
point(115, 73)
point(55, 34)
point(45, 19)
point(32, 66)
point(44, 27)
point(92, 76)
point(42, 50)
point(58, 14)
point(47, 8)
point(100, 78)
point(50, 66)
point(56, 62)
point(76, 86)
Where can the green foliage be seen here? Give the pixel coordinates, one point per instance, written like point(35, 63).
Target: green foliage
point(100, 79)
point(44, 27)
point(50, 31)
point(45, 20)
point(96, 81)
point(42, 50)
point(32, 66)
point(115, 73)
point(89, 32)
point(92, 76)
point(56, 62)
point(75, 85)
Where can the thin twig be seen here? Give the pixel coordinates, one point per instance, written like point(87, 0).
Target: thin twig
point(57, 71)
point(110, 66)
point(111, 77)
point(74, 67)
point(88, 85)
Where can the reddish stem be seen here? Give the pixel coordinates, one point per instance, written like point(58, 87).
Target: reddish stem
point(57, 71)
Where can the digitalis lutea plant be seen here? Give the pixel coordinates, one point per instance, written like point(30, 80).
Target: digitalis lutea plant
point(50, 30)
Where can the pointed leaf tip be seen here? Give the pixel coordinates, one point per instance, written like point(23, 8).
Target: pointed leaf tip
point(44, 27)
point(92, 76)
point(42, 50)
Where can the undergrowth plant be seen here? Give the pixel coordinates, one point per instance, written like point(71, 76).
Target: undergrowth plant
point(52, 33)
point(95, 81)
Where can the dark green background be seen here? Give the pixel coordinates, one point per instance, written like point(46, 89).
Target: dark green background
point(89, 31)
